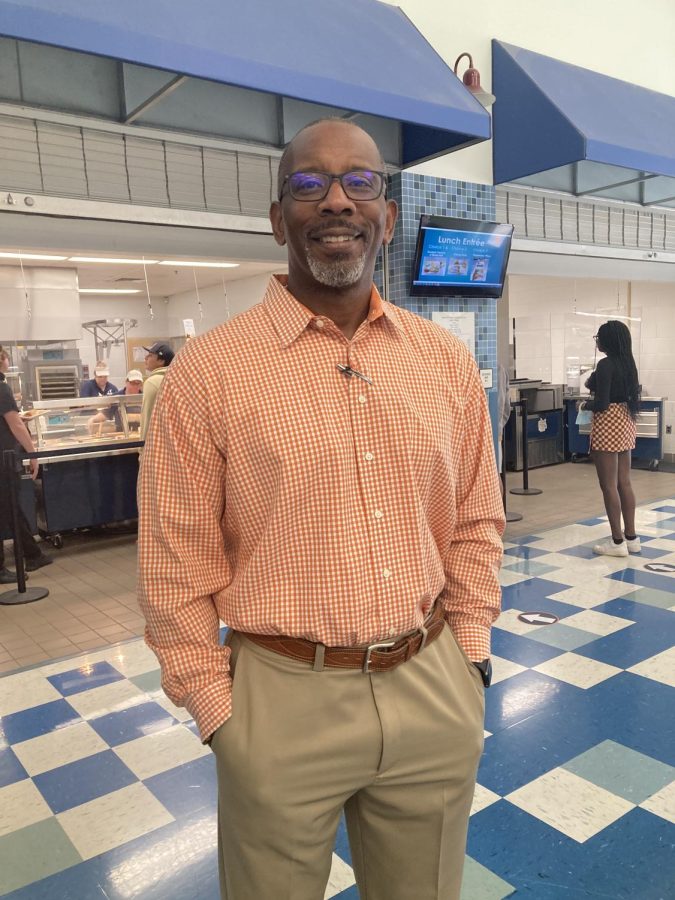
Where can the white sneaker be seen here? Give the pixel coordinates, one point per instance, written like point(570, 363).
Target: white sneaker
point(634, 545)
point(609, 548)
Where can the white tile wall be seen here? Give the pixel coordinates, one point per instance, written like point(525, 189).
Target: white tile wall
point(547, 299)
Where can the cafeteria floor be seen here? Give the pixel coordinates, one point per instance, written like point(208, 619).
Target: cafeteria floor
point(106, 791)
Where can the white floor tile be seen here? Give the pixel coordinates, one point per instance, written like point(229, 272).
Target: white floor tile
point(113, 820)
point(25, 690)
point(508, 621)
point(504, 668)
point(570, 804)
point(132, 658)
point(57, 748)
point(106, 699)
point(21, 804)
point(594, 592)
point(597, 622)
point(507, 578)
point(569, 536)
point(660, 667)
point(341, 877)
point(662, 803)
point(178, 712)
point(577, 670)
point(482, 798)
point(645, 515)
point(161, 751)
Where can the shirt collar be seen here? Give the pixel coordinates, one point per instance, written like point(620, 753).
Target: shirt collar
point(290, 317)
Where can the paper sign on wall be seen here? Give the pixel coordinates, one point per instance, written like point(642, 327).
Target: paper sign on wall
point(461, 324)
point(189, 327)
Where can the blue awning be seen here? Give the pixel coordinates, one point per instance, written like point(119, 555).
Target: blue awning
point(562, 127)
point(356, 55)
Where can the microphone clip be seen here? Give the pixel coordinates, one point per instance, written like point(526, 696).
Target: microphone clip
point(347, 370)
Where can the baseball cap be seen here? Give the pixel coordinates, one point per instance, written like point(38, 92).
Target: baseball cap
point(162, 350)
point(101, 372)
point(134, 375)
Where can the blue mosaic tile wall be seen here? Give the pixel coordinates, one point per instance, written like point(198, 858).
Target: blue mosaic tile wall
point(423, 194)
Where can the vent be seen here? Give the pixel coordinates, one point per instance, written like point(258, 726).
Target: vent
point(71, 161)
point(561, 217)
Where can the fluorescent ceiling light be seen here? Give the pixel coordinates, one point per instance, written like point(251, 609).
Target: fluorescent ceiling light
point(111, 261)
point(109, 291)
point(605, 316)
point(192, 263)
point(31, 256)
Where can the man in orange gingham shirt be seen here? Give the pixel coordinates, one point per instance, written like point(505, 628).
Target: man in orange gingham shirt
point(320, 476)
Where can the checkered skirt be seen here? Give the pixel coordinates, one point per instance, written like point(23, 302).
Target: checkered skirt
point(613, 430)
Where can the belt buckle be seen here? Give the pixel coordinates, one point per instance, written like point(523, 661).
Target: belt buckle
point(424, 631)
point(379, 646)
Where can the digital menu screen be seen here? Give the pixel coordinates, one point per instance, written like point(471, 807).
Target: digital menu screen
point(460, 257)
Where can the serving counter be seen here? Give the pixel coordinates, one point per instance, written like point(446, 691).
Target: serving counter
point(89, 461)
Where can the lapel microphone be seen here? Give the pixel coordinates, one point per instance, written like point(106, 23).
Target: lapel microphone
point(347, 370)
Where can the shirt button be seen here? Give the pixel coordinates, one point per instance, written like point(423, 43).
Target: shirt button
point(368, 457)
point(386, 573)
point(319, 323)
point(362, 399)
point(379, 514)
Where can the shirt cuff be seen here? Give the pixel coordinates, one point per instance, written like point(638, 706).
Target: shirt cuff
point(211, 706)
point(474, 639)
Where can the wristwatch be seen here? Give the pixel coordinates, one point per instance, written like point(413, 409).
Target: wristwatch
point(485, 669)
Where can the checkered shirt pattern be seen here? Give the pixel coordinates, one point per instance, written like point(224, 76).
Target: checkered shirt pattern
point(613, 429)
point(282, 496)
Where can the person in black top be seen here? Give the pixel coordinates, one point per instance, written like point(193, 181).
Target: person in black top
point(13, 436)
point(615, 403)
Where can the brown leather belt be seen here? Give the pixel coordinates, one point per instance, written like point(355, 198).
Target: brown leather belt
point(380, 656)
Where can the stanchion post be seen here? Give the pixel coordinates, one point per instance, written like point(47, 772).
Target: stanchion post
point(510, 516)
point(525, 490)
point(21, 594)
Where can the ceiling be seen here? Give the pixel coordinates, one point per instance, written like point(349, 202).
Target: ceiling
point(255, 254)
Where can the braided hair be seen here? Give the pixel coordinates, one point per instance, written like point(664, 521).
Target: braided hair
point(615, 340)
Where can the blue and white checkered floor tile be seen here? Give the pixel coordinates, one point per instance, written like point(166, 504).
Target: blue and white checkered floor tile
point(106, 791)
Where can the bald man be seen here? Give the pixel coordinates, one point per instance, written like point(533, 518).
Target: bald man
point(327, 487)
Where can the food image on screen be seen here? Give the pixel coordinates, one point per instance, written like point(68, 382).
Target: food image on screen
point(458, 265)
point(479, 269)
point(433, 265)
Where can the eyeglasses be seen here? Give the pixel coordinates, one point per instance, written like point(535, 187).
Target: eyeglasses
point(595, 337)
point(310, 187)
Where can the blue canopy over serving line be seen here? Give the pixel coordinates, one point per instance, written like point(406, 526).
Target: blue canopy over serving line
point(356, 57)
point(563, 127)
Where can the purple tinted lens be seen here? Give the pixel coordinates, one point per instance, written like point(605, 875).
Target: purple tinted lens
point(306, 184)
point(362, 183)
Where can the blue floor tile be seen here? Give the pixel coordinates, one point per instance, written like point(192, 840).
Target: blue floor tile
point(645, 578)
point(11, 769)
point(522, 551)
point(134, 722)
point(91, 676)
point(521, 649)
point(636, 712)
point(627, 647)
point(652, 552)
point(187, 789)
point(84, 780)
point(29, 723)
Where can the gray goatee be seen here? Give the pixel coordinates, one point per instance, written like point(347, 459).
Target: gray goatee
point(337, 274)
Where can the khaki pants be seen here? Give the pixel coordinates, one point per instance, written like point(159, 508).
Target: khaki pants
point(397, 750)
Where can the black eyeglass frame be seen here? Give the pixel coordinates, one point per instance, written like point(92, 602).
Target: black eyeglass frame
point(335, 177)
